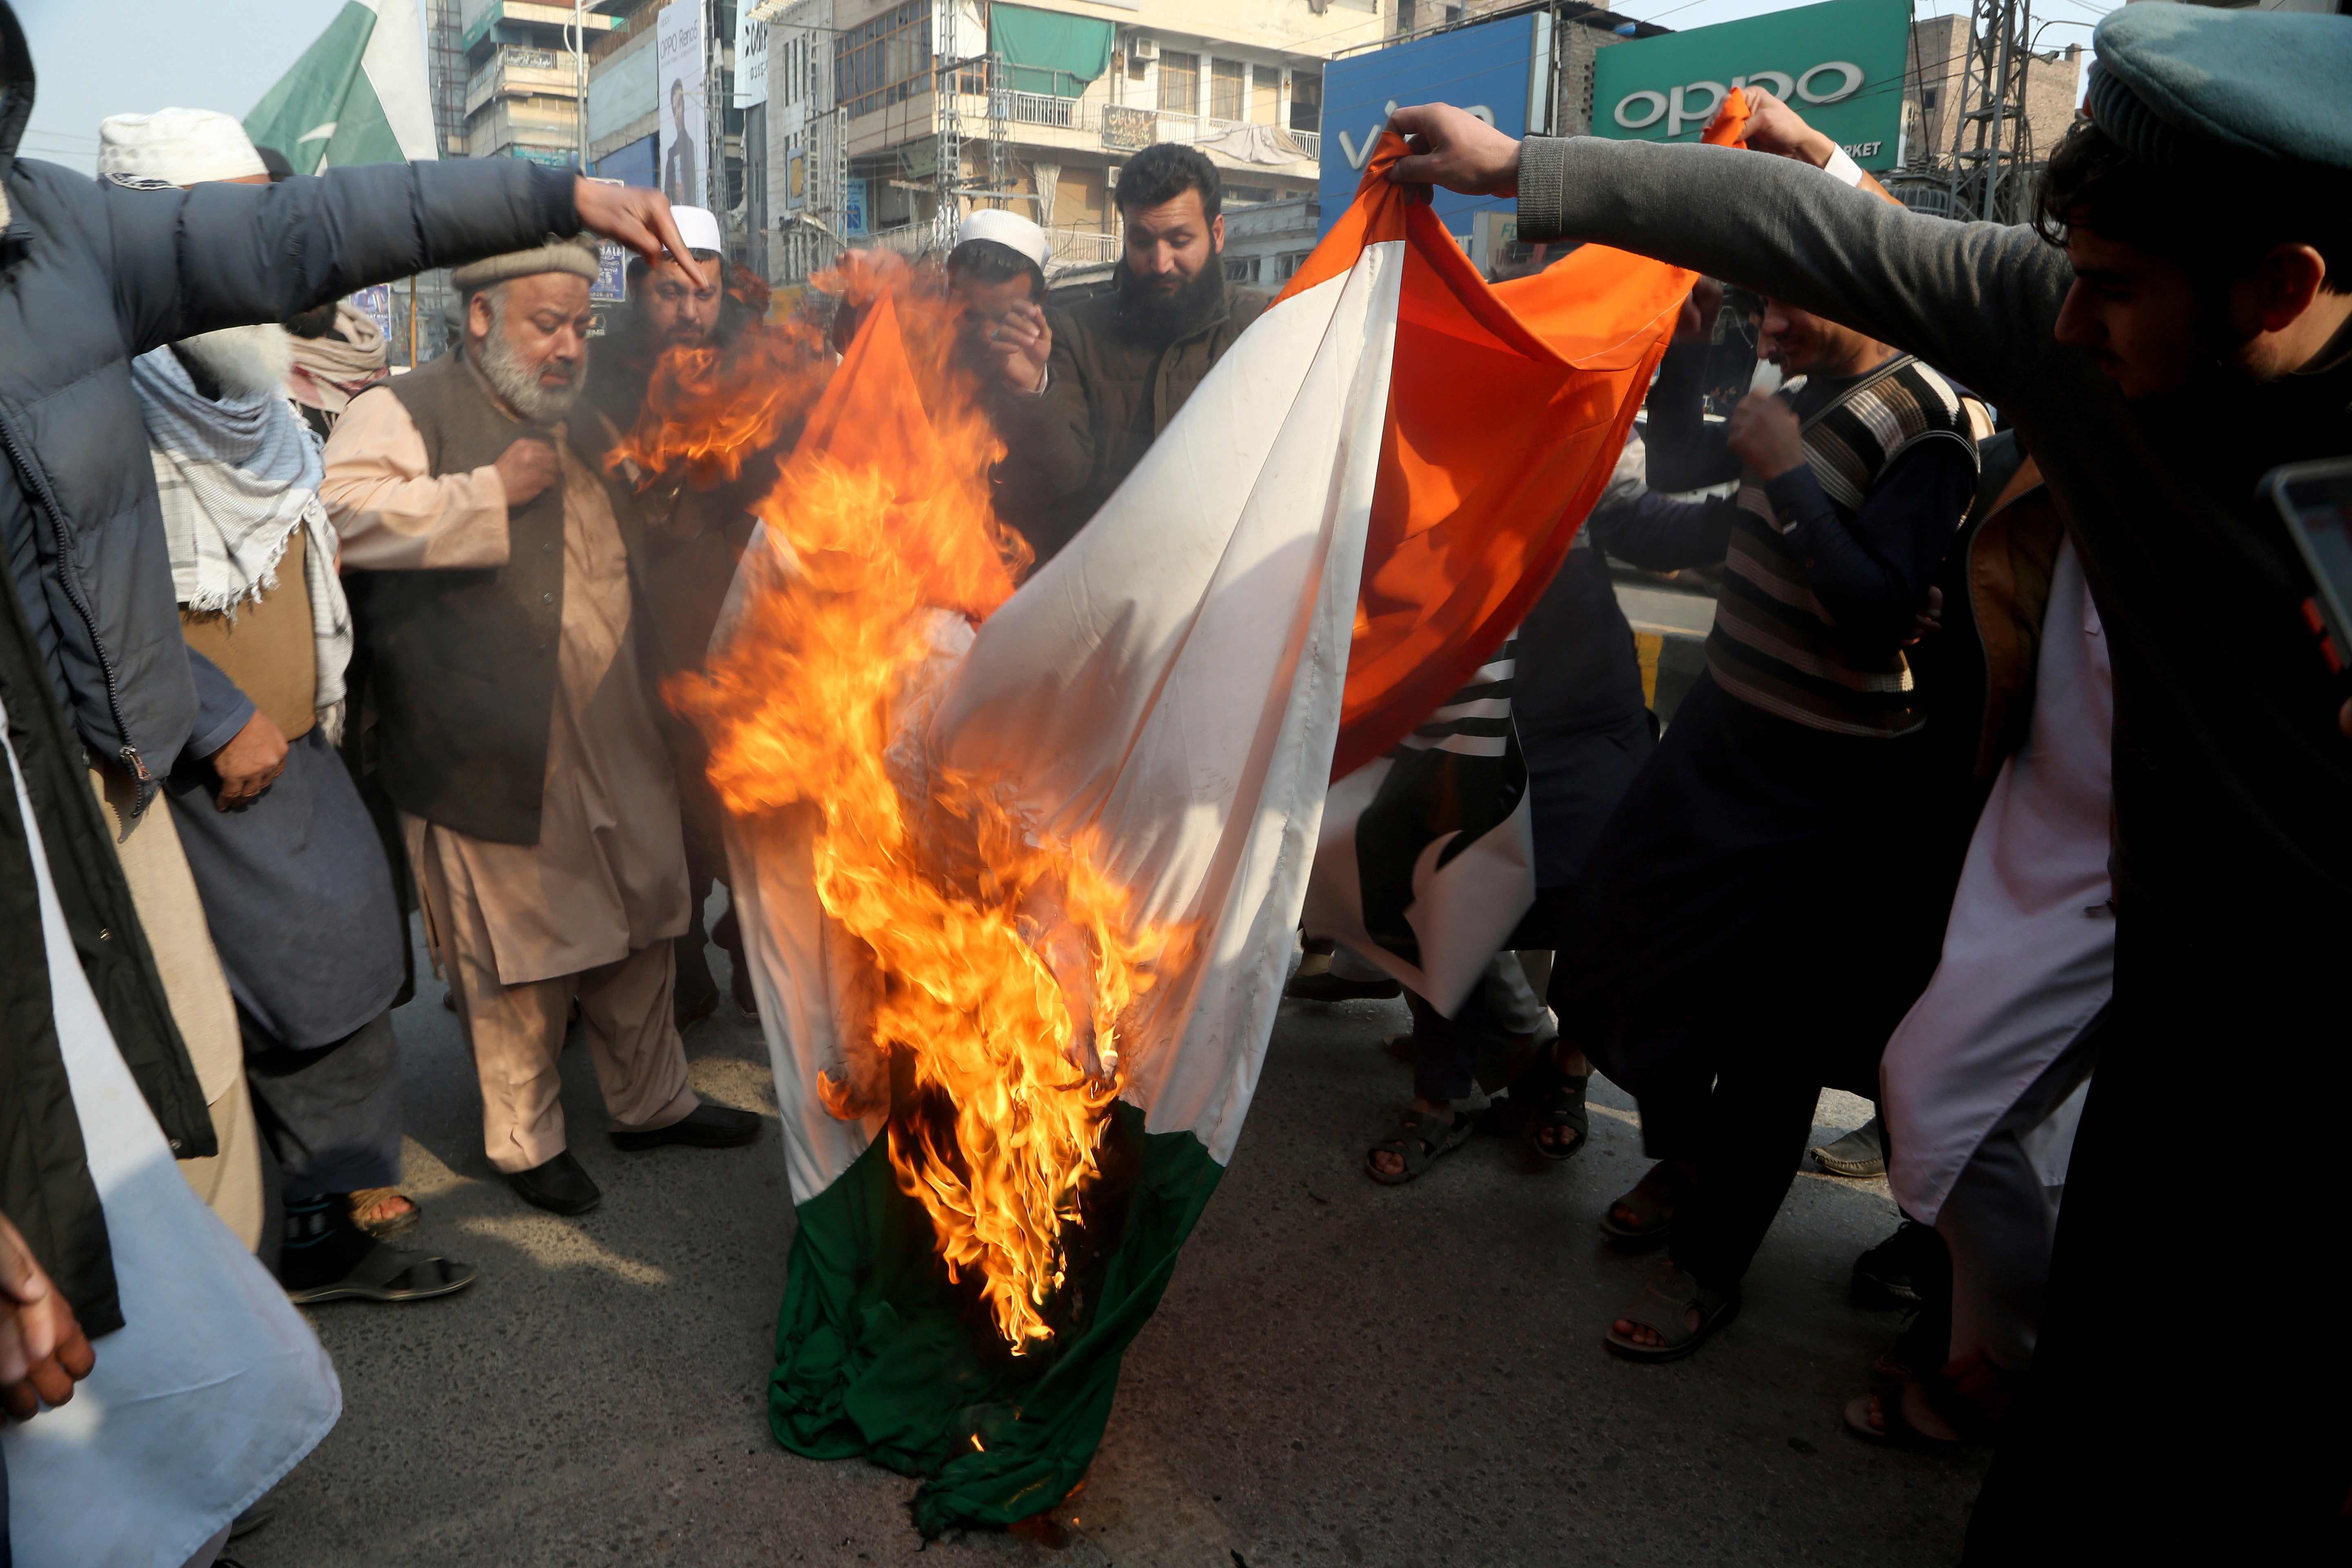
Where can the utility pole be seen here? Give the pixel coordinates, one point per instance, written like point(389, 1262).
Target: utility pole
point(1991, 138)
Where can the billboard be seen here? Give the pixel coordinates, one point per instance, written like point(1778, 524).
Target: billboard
point(1841, 65)
point(682, 54)
point(1494, 71)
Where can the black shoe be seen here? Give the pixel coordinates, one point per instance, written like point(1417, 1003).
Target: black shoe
point(706, 1126)
point(1860, 1153)
point(1883, 1277)
point(560, 1186)
point(1326, 986)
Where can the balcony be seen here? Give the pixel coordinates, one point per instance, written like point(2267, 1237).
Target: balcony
point(1035, 109)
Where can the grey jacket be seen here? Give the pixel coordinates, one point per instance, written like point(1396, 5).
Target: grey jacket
point(2230, 779)
point(93, 275)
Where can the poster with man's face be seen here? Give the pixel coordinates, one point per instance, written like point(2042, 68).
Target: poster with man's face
point(680, 55)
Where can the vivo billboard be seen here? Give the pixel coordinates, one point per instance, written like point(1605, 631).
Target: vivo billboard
point(1494, 70)
point(1839, 65)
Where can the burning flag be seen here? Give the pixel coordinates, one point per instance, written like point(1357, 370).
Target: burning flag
point(1019, 871)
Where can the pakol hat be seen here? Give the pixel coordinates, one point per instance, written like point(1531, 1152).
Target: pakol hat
point(2182, 84)
point(577, 256)
point(1007, 229)
point(175, 147)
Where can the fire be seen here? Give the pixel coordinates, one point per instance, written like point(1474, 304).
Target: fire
point(995, 965)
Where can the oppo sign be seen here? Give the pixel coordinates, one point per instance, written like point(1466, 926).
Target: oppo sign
point(1828, 82)
point(1669, 87)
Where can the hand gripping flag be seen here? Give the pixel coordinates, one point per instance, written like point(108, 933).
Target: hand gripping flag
point(1340, 528)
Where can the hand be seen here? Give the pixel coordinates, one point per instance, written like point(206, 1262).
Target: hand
point(527, 468)
point(1020, 343)
point(638, 218)
point(1774, 127)
point(43, 1352)
point(1928, 618)
point(1765, 436)
point(1700, 306)
point(250, 762)
point(1456, 149)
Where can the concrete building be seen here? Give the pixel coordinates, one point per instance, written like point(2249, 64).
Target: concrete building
point(1939, 72)
point(1048, 100)
point(523, 91)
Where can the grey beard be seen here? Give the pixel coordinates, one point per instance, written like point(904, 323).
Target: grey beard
point(518, 382)
point(247, 362)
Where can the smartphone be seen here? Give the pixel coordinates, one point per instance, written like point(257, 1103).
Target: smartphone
point(2315, 498)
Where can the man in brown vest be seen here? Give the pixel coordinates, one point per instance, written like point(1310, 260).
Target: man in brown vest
point(498, 592)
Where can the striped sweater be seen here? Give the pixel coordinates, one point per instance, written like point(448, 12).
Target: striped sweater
point(1774, 644)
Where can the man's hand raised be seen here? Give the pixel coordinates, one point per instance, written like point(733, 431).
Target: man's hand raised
point(1020, 343)
point(1456, 149)
point(638, 218)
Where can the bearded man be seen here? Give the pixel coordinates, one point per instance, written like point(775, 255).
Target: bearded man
point(1112, 371)
point(500, 594)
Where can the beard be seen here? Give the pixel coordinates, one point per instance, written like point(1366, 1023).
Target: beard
point(247, 362)
point(519, 381)
point(1162, 317)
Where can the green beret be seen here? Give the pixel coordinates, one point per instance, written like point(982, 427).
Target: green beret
point(2179, 84)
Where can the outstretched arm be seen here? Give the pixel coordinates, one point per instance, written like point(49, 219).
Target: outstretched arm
point(220, 255)
point(1977, 301)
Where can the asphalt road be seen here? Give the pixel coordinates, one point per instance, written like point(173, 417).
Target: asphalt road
point(1342, 1374)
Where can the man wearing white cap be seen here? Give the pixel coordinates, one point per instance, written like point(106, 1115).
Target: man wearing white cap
point(496, 584)
point(996, 276)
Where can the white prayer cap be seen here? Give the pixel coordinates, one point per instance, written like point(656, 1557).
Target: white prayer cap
point(1007, 229)
point(175, 147)
point(699, 227)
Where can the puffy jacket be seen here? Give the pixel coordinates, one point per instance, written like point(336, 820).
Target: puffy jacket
point(95, 275)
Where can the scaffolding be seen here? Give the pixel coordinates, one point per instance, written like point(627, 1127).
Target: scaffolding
point(1993, 141)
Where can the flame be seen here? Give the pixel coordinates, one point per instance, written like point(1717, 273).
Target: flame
point(995, 965)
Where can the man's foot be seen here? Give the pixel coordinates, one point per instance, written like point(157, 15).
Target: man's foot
point(384, 1212)
point(1860, 1153)
point(1885, 1276)
point(1647, 1212)
point(560, 1186)
point(1329, 987)
point(1673, 1316)
point(706, 1126)
point(1431, 1129)
point(328, 1257)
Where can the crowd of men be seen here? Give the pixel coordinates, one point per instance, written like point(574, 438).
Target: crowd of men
point(2016, 793)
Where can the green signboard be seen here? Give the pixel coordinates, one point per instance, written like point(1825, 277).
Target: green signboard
point(1841, 65)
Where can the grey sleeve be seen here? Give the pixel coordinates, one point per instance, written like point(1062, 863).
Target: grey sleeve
point(1976, 300)
point(216, 255)
point(222, 707)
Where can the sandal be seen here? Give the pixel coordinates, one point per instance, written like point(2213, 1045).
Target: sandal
point(1558, 1103)
point(370, 1207)
point(1652, 1200)
point(1971, 1397)
point(1664, 1305)
point(387, 1273)
point(1424, 1136)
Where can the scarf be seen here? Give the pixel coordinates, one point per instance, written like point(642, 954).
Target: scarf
point(237, 478)
point(329, 371)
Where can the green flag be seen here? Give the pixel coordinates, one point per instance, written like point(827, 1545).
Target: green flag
point(358, 95)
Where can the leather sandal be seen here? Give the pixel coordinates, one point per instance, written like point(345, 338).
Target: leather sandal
point(1653, 1200)
point(1425, 1137)
point(1664, 1305)
point(388, 1273)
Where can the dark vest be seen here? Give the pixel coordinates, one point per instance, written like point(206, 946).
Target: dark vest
point(462, 664)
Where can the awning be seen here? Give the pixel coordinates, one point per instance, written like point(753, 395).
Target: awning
point(1047, 51)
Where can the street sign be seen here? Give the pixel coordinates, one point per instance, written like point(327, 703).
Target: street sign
point(1841, 65)
point(1485, 69)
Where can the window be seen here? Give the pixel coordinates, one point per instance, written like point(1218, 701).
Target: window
point(1226, 79)
point(1245, 193)
point(1241, 268)
point(1928, 94)
point(1306, 100)
point(1180, 83)
point(1287, 264)
point(1266, 95)
point(884, 60)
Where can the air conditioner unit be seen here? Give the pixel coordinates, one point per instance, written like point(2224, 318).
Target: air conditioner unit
point(1139, 47)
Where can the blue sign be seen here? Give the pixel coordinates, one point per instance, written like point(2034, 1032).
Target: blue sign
point(376, 302)
point(853, 209)
point(1484, 69)
point(611, 284)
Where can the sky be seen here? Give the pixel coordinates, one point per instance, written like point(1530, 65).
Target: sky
point(125, 57)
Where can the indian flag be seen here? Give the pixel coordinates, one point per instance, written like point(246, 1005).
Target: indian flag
point(359, 95)
point(1338, 531)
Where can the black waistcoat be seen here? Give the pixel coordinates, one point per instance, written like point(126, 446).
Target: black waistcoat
point(463, 662)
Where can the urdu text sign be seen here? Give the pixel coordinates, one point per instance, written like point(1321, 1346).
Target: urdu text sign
point(1841, 65)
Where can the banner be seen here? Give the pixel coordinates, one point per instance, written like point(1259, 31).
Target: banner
point(681, 48)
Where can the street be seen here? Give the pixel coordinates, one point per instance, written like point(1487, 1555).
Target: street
point(1341, 1373)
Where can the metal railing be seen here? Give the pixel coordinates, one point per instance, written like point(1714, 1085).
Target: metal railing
point(1082, 247)
point(1034, 109)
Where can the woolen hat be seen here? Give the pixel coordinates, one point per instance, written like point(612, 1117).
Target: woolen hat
point(2182, 84)
point(175, 147)
point(577, 256)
